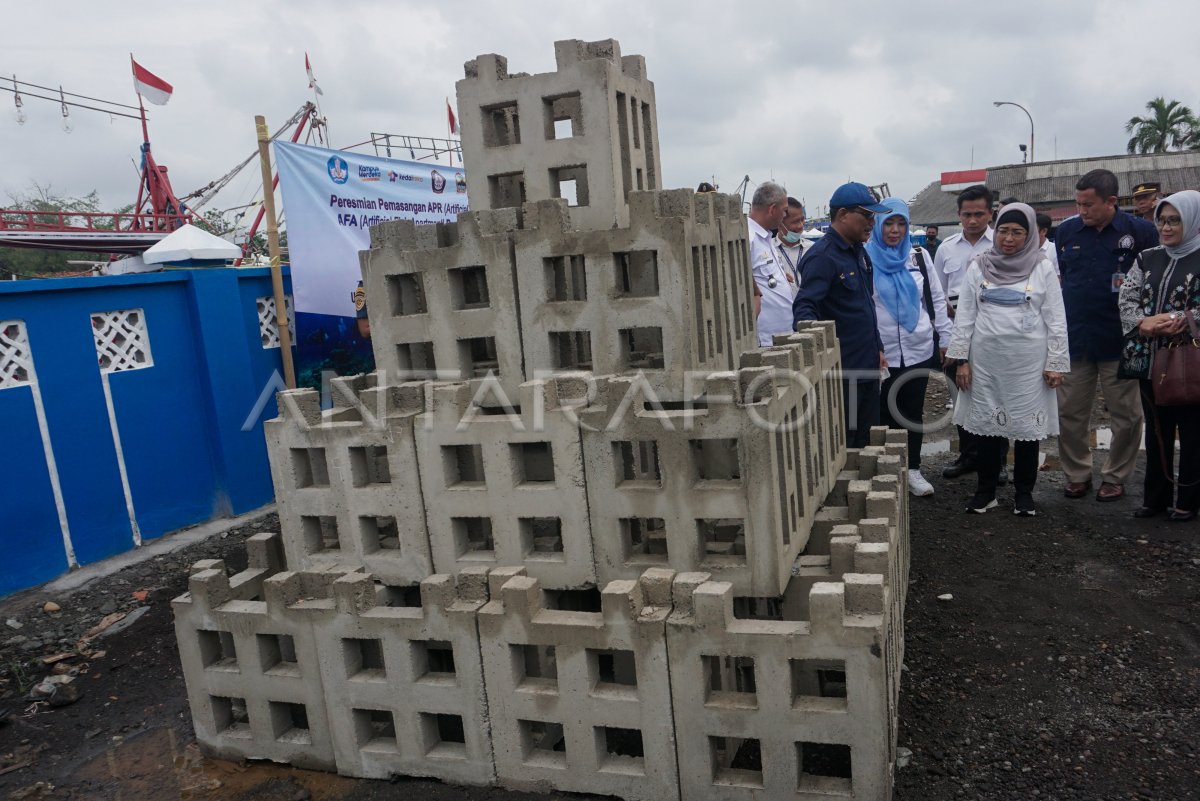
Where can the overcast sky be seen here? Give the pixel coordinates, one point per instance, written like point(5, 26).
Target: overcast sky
point(810, 94)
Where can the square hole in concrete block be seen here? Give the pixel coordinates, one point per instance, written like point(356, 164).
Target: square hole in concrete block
point(375, 729)
point(641, 349)
point(635, 462)
point(736, 761)
point(473, 537)
point(379, 534)
point(501, 124)
point(396, 596)
point(541, 537)
point(217, 650)
point(585, 600)
point(564, 116)
point(289, 722)
point(620, 750)
point(433, 660)
point(748, 607)
point(636, 272)
point(277, 654)
point(819, 683)
point(364, 659)
point(722, 541)
point(533, 463)
point(716, 459)
point(644, 540)
point(320, 533)
point(415, 360)
point(477, 357)
point(570, 183)
point(543, 743)
point(468, 288)
point(463, 465)
point(507, 190)
point(566, 279)
point(230, 715)
point(534, 667)
point(729, 681)
point(406, 294)
point(824, 768)
point(444, 735)
point(571, 350)
point(612, 669)
point(309, 467)
point(369, 465)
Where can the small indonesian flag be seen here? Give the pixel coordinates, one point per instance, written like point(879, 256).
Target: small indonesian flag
point(149, 85)
point(451, 118)
point(312, 81)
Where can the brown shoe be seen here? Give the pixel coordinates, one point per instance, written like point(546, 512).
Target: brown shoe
point(1110, 492)
point(1077, 489)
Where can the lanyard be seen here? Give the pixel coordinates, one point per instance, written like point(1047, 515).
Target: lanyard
point(786, 257)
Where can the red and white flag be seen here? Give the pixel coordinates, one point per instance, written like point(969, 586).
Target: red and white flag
point(150, 86)
point(312, 81)
point(453, 121)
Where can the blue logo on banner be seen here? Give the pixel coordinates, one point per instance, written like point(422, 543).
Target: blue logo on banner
point(338, 169)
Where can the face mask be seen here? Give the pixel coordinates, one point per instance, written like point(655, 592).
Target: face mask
point(791, 237)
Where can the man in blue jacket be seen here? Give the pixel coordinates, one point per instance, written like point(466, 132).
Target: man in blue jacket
point(836, 284)
point(1095, 250)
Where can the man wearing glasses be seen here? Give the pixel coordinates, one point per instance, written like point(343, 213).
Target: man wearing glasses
point(1095, 250)
point(836, 284)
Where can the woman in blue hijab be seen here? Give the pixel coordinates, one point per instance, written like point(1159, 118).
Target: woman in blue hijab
point(913, 325)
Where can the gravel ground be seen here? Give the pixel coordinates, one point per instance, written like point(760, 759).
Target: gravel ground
point(1067, 666)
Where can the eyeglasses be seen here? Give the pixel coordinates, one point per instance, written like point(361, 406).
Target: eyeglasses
point(870, 215)
point(1173, 222)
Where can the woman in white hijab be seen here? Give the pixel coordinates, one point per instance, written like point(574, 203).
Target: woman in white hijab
point(1010, 339)
point(1159, 301)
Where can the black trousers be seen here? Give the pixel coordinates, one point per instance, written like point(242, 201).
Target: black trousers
point(902, 404)
point(1162, 424)
point(862, 410)
point(991, 453)
point(968, 446)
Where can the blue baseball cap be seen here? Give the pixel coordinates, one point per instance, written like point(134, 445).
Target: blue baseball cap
point(856, 194)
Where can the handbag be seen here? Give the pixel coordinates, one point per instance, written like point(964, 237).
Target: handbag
point(1175, 376)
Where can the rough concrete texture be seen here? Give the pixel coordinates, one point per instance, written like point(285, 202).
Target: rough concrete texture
point(592, 122)
point(728, 484)
point(445, 298)
point(506, 488)
point(581, 701)
point(669, 293)
point(345, 483)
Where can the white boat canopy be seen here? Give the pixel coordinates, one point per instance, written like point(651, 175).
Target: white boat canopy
point(189, 243)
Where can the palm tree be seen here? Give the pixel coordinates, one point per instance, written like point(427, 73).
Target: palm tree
point(1167, 126)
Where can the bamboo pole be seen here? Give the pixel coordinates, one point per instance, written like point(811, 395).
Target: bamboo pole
point(285, 334)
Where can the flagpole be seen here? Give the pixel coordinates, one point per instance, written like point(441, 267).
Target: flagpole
point(281, 316)
point(449, 132)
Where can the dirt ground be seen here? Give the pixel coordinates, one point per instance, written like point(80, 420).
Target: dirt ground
point(1066, 666)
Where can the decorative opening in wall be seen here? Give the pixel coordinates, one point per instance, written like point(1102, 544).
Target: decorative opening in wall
point(564, 116)
point(824, 768)
point(16, 359)
point(122, 341)
point(268, 320)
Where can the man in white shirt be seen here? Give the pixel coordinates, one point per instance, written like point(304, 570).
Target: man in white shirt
point(790, 241)
point(950, 265)
point(771, 275)
point(1044, 223)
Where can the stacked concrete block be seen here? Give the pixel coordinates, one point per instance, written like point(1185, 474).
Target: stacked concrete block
point(404, 685)
point(588, 129)
point(346, 482)
point(443, 299)
point(505, 485)
point(581, 701)
point(251, 664)
point(668, 294)
point(728, 484)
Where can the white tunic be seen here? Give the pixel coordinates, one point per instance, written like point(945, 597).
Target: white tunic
point(1008, 348)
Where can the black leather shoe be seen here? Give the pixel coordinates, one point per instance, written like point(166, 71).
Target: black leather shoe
point(1143, 512)
point(1003, 478)
point(958, 468)
point(1180, 516)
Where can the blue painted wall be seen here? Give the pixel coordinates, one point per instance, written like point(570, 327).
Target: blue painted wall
point(180, 420)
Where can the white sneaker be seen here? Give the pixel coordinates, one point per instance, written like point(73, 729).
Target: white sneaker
point(917, 484)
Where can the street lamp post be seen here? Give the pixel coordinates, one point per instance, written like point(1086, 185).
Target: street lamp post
point(999, 103)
